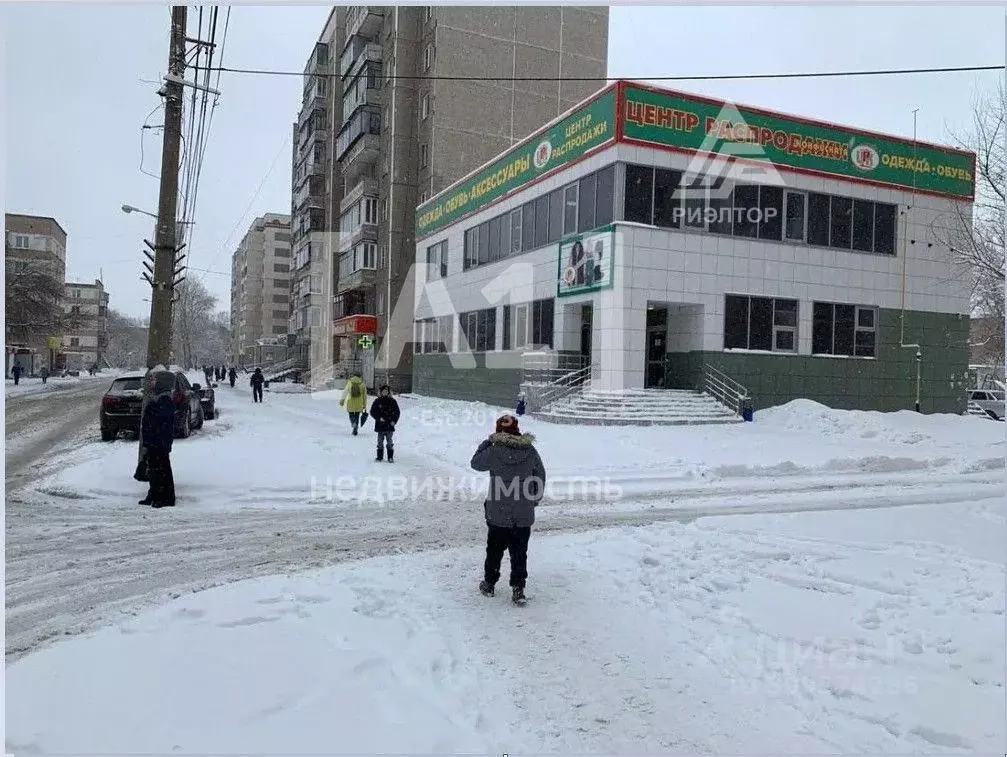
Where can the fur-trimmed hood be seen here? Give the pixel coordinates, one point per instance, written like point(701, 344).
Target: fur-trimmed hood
point(512, 440)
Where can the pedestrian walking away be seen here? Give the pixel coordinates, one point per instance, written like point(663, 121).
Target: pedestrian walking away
point(517, 483)
point(16, 373)
point(385, 412)
point(232, 376)
point(257, 381)
point(354, 399)
point(44, 373)
point(158, 431)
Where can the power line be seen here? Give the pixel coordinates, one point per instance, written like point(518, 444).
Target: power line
point(704, 77)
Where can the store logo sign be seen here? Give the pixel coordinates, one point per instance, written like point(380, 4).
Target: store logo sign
point(543, 153)
point(865, 157)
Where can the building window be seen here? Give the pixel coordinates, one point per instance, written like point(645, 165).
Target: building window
point(760, 323)
point(587, 192)
point(370, 210)
point(840, 222)
point(542, 323)
point(515, 230)
point(424, 156)
point(74, 341)
point(75, 309)
point(794, 224)
point(281, 299)
point(428, 13)
point(639, 194)
point(478, 328)
point(849, 330)
point(694, 203)
point(384, 210)
point(425, 105)
point(662, 189)
point(746, 210)
point(437, 260)
point(771, 213)
point(605, 197)
point(428, 57)
point(280, 315)
point(818, 219)
point(281, 268)
point(21, 240)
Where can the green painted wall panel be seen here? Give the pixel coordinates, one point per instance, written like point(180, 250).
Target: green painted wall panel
point(435, 376)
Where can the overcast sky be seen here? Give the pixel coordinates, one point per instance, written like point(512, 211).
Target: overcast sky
point(76, 98)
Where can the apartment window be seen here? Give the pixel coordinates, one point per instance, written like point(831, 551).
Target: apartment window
point(21, 240)
point(794, 224)
point(479, 329)
point(542, 323)
point(76, 294)
point(282, 236)
point(281, 268)
point(841, 222)
point(437, 260)
point(424, 156)
point(74, 341)
point(75, 309)
point(570, 208)
point(639, 194)
point(428, 13)
point(849, 330)
point(662, 188)
point(818, 219)
point(746, 210)
point(384, 210)
point(280, 314)
point(370, 205)
point(281, 284)
point(515, 230)
point(428, 57)
point(424, 195)
point(605, 197)
point(281, 252)
point(425, 105)
point(587, 192)
point(760, 323)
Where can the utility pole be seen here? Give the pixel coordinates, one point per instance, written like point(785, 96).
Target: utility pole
point(165, 250)
point(165, 239)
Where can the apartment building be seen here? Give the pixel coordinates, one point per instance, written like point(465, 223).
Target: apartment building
point(86, 337)
point(33, 246)
point(260, 288)
point(385, 124)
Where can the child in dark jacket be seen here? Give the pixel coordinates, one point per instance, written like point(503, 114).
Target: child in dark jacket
point(385, 412)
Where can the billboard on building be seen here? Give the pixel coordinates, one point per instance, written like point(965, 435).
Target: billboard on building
point(582, 131)
point(689, 123)
point(586, 262)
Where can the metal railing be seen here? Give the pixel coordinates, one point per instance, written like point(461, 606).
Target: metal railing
point(547, 368)
point(725, 389)
point(566, 385)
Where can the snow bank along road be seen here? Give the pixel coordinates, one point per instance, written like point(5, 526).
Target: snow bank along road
point(71, 569)
point(40, 425)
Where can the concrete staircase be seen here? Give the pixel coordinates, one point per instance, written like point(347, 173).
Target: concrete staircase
point(638, 407)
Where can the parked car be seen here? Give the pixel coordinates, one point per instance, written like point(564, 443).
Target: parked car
point(208, 399)
point(121, 405)
point(990, 400)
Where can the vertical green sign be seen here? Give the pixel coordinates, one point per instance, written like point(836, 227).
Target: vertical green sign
point(676, 120)
point(569, 139)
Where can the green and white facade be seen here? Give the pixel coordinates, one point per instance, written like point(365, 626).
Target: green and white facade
point(655, 232)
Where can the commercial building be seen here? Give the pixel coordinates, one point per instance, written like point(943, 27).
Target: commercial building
point(260, 289)
point(660, 238)
point(35, 265)
point(385, 124)
point(86, 335)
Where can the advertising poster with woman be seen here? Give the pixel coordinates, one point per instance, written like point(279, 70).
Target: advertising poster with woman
point(585, 263)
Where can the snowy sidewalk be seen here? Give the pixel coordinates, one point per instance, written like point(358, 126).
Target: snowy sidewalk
point(874, 631)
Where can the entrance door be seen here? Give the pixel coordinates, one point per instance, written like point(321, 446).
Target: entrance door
point(657, 347)
point(586, 331)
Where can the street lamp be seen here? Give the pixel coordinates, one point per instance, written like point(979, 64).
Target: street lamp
point(131, 209)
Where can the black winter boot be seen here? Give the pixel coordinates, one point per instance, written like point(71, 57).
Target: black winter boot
point(391, 454)
point(381, 455)
point(486, 588)
point(517, 596)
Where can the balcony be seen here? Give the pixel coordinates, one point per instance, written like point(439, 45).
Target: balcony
point(310, 167)
point(311, 193)
point(317, 62)
point(362, 278)
point(365, 232)
point(366, 185)
point(358, 51)
point(364, 21)
point(310, 108)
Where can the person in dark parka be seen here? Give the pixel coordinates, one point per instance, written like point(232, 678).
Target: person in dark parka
point(158, 433)
point(16, 373)
point(232, 376)
point(517, 483)
point(385, 412)
point(257, 381)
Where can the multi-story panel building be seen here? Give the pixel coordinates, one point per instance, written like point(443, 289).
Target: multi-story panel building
point(86, 337)
point(385, 104)
point(34, 246)
point(260, 288)
point(654, 239)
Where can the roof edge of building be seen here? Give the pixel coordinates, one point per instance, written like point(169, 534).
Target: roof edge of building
point(44, 218)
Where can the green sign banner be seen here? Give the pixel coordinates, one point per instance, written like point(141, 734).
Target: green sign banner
point(580, 132)
point(674, 120)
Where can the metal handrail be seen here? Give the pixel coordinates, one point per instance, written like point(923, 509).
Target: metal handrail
point(567, 384)
point(725, 389)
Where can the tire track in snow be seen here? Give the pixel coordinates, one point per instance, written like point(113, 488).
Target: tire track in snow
point(70, 569)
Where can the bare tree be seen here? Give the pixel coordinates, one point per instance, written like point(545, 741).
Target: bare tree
point(34, 303)
point(127, 341)
point(196, 331)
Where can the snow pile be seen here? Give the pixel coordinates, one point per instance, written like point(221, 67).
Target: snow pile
point(809, 633)
point(301, 450)
point(285, 388)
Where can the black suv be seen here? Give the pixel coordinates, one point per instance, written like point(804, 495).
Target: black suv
point(120, 407)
